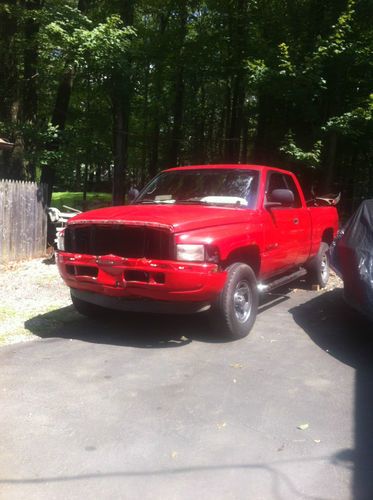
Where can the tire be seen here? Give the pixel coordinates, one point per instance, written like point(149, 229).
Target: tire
point(235, 311)
point(319, 270)
point(88, 309)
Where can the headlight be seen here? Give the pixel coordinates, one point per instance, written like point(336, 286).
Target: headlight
point(60, 239)
point(191, 253)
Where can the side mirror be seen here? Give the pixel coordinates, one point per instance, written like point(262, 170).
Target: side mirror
point(280, 197)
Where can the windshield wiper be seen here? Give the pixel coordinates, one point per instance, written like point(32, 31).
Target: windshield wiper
point(155, 202)
point(210, 203)
point(192, 201)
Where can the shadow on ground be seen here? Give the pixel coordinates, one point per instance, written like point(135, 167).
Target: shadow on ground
point(125, 329)
point(136, 329)
point(347, 336)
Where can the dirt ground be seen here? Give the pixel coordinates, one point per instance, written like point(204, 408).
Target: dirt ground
point(31, 289)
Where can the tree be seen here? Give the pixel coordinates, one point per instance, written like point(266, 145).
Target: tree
point(113, 91)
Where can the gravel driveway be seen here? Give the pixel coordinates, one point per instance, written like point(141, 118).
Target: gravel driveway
point(29, 289)
point(156, 408)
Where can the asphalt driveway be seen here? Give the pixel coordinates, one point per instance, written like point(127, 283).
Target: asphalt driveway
point(158, 408)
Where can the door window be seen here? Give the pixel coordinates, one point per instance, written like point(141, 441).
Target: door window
point(283, 181)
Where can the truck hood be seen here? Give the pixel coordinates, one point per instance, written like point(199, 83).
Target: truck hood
point(176, 218)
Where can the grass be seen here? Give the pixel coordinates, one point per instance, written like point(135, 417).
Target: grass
point(75, 200)
point(17, 326)
point(6, 313)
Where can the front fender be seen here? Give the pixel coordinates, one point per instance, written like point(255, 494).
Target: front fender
point(227, 239)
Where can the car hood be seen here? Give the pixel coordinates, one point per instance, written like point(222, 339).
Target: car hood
point(176, 218)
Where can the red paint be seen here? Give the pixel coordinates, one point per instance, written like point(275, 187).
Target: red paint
point(282, 237)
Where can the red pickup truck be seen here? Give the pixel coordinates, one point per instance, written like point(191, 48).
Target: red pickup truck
point(198, 238)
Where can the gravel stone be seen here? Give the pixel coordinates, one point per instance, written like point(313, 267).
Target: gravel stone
point(28, 289)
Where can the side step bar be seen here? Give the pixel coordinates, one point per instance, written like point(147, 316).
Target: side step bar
point(267, 287)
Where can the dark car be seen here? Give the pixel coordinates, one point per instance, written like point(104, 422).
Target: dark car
point(351, 256)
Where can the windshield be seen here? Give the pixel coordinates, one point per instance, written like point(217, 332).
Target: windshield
point(203, 186)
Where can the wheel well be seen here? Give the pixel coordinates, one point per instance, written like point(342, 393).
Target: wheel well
point(248, 255)
point(328, 236)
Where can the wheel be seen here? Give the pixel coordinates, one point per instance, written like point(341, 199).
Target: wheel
point(235, 310)
point(88, 309)
point(319, 269)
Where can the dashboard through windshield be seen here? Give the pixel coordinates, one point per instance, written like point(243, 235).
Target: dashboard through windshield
point(237, 187)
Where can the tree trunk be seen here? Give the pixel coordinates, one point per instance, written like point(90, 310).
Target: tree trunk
point(178, 108)
point(245, 136)
point(17, 165)
point(29, 91)
point(238, 21)
point(85, 183)
point(198, 153)
point(226, 119)
point(176, 136)
point(155, 135)
point(9, 78)
point(30, 70)
point(234, 135)
point(158, 77)
point(145, 127)
point(59, 117)
point(98, 176)
point(78, 177)
point(330, 161)
point(120, 127)
point(121, 105)
point(263, 150)
point(10, 91)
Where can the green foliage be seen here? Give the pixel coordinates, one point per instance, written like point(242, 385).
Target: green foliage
point(285, 65)
point(257, 71)
point(340, 39)
point(38, 136)
point(356, 123)
point(153, 84)
point(309, 159)
point(96, 49)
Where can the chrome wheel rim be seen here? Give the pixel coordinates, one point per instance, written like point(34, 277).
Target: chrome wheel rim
point(242, 301)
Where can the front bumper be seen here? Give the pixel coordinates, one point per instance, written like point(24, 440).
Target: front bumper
point(140, 305)
point(157, 280)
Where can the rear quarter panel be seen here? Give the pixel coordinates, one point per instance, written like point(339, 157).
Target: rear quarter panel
point(324, 221)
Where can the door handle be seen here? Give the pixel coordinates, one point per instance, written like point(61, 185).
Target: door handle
point(296, 221)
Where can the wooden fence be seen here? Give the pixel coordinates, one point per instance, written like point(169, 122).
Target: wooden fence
point(23, 220)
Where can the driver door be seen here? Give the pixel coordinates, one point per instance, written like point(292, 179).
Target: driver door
point(287, 228)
